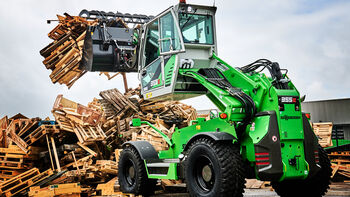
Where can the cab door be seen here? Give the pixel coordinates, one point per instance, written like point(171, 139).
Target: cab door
point(161, 40)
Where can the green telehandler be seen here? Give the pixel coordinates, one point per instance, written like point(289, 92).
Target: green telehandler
point(258, 131)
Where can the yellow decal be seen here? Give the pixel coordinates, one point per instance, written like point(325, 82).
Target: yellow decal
point(198, 127)
point(148, 95)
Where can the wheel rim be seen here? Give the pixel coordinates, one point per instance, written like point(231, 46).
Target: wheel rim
point(129, 170)
point(204, 174)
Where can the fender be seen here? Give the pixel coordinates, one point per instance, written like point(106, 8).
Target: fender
point(310, 147)
point(216, 136)
point(144, 148)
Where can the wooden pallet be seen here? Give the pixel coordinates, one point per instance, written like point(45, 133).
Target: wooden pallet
point(324, 131)
point(55, 190)
point(151, 136)
point(106, 189)
point(257, 184)
point(88, 133)
point(340, 163)
point(14, 158)
point(11, 149)
point(118, 101)
point(8, 174)
point(15, 163)
point(119, 126)
point(13, 137)
point(108, 110)
point(63, 122)
point(107, 166)
point(12, 161)
point(76, 112)
point(340, 153)
point(23, 181)
point(11, 173)
point(40, 132)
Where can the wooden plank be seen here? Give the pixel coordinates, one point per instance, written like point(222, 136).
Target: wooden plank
point(55, 154)
point(48, 146)
point(93, 153)
point(75, 161)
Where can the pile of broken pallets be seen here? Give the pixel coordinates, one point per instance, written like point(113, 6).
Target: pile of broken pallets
point(340, 163)
point(78, 152)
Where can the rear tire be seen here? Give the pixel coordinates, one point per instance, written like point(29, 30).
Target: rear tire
point(315, 186)
point(132, 174)
point(214, 169)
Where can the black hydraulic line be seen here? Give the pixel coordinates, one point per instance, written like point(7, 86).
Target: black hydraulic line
point(211, 75)
point(252, 105)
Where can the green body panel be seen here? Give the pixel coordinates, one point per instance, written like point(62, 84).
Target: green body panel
point(294, 149)
point(266, 98)
point(168, 70)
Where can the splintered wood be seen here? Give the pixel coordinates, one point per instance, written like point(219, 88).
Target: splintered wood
point(324, 132)
point(64, 54)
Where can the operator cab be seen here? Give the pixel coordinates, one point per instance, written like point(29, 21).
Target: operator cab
point(181, 37)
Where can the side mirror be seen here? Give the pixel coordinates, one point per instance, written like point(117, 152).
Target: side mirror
point(302, 99)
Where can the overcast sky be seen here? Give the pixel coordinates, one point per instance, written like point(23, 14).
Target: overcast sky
point(310, 38)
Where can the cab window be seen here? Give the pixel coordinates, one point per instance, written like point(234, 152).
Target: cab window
point(196, 29)
point(152, 46)
point(170, 40)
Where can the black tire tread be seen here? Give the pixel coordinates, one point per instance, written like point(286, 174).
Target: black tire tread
point(231, 164)
point(146, 186)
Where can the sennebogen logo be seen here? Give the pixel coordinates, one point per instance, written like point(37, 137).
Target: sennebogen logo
point(285, 117)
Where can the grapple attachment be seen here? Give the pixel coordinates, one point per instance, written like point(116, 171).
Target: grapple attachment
point(111, 45)
point(109, 49)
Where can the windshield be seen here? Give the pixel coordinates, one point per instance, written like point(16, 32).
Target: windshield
point(197, 29)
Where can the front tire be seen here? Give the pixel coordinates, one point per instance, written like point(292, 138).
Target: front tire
point(315, 186)
point(214, 169)
point(132, 174)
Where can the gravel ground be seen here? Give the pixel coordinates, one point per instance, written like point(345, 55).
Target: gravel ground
point(336, 190)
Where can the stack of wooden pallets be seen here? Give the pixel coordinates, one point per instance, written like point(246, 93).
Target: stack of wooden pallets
point(13, 161)
point(64, 54)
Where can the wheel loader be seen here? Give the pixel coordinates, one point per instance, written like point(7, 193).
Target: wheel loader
point(259, 130)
